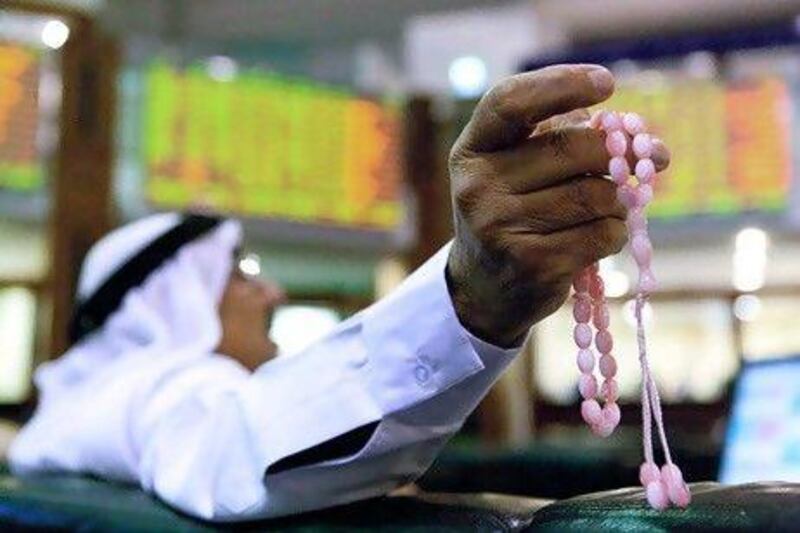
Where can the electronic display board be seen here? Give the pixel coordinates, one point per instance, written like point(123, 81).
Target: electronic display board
point(730, 144)
point(19, 118)
point(262, 145)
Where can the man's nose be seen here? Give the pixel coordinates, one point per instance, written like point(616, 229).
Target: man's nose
point(273, 292)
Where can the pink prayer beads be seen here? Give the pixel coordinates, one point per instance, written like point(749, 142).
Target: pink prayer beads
point(590, 307)
point(663, 486)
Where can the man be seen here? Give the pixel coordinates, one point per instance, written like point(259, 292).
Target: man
point(158, 388)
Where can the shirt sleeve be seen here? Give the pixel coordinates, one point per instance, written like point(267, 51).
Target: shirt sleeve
point(202, 436)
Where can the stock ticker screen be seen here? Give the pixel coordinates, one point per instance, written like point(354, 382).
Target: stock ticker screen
point(20, 169)
point(266, 146)
point(730, 144)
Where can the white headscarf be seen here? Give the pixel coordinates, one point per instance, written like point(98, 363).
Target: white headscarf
point(174, 311)
point(170, 317)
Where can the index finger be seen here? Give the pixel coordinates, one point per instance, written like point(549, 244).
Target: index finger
point(512, 108)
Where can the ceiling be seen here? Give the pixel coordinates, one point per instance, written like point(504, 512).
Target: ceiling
point(312, 22)
point(330, 21)
point(586, 20)
point(275, 21)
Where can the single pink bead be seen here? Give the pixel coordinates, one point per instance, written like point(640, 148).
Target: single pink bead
point(657, 497)
point(608, 366)
point(643, 194)
point(603, 428)
point(616, 143)
point(642, 249)
point(633, 123)
point(612, 414)
point(645, 171)
point(582, 310)
point(596, 120)
point(585, 361)
point(627, 196)
point(649, 473)
point(647, 282)
point(591, 412)
point(583, 335)
point(582, 296)
point(611, 121)
point(581, 283)
point(619, 169)
point(636, 221)
point(600, 316)
point(596, 287)
point(604, 341)
point(680, 495)
point(609, 390)
point(587, 386)
point(642, 146)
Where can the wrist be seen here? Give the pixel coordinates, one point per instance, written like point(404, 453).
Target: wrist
point(480, 306)
point(491, 303)
point(480, 323)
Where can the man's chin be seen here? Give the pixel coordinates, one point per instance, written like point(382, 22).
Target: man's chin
point(272, 349)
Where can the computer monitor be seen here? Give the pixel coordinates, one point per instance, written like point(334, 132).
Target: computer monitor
point(763, 436)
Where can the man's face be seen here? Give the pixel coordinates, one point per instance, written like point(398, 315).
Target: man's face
point(245, 311)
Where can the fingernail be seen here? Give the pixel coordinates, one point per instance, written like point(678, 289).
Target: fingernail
point(602, 80)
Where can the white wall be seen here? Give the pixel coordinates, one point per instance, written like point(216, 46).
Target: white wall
point(501, 36)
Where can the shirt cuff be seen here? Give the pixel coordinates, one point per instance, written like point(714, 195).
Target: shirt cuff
point(485, 350)
point(416, 347)
point(489, 352)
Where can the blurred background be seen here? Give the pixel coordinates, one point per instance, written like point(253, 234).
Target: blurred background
point(325, 126)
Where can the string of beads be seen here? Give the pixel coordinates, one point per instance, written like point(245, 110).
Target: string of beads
point(590, 310)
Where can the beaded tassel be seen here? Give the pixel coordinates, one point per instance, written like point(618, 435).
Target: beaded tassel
point(666, 485)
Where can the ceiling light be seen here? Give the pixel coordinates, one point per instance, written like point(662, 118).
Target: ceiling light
point(750, 259)
point(250, 265)
point(747, 307)
point(468, 76)
point(222, 68)
point(54, 34)
point(752, 239)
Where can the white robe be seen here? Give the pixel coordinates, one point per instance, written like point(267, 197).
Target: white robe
point(200, 431)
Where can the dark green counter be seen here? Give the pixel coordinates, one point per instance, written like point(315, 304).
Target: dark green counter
point(80, 504)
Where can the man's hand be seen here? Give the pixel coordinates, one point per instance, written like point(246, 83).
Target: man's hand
point(532, 206)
